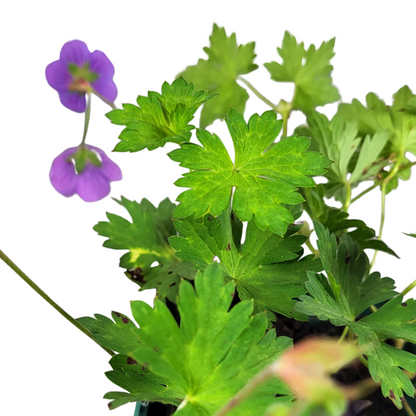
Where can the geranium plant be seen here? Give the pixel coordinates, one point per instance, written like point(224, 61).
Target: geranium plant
point(237, 297)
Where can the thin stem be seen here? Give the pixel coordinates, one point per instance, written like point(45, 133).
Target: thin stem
point(285, 121)
point(383, 201)
point(409, 411)
point(409, 288)
point(102, 98)
point(343, 335)
point(347, 202)
point(255, 382)
point(311, 247)
point(87, 118)
point(38, 290)
point(258, 93)
point(364, 192)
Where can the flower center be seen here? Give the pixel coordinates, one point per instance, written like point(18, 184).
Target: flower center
point(82, 157)
point(82, 78)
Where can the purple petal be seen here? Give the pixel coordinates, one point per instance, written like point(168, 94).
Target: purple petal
point(104, 85)
point(92, 184)
point(58, 76)
point(75, 101)
point(75, 52)
point(108, 168)
point(62, 174)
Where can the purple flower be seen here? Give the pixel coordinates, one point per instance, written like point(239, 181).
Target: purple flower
point(79, 71)
point(84, 170)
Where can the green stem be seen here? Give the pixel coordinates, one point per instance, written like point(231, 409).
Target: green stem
point(409, 288)
point(343, 335)
point(347, 202)
point(383, 201)
point(112, 105)
point(38, 290)
point(257, 93)
point(364, 192)
point(285, 121)
point(311, 247)
point(408, 409)
point(87, 118)
point(255, 382)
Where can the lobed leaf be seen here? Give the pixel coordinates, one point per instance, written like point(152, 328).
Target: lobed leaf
point(219, 73)
point(309, 70)
point(159, 118)
point(145, 238)
point(264, 176)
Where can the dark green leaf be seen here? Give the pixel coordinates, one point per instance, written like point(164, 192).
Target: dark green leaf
point(145, 238)
point(265, 267)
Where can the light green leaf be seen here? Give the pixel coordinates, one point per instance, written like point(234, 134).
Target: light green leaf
point(377, 117)
point(370, 151)
point(309, 70)
point(120, 336)
point(265, 175)
point(337, 141)
point(214, 352)
point(219, 73)
point(158, 118)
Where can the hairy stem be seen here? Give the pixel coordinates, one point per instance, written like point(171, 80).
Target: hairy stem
point(38, 290)
point(257, 93)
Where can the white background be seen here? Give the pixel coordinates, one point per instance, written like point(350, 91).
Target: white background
point(48, 367)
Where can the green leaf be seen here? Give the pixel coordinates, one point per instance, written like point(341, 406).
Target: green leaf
point(265, 175)
point(368, 164)
point(266, 267)
point(219, 73)
point(309, 70)
point(337, 141)
point(120, 336)
point(394, 320)
point(158, 118)
point(141, 383)
point(384, 361)
point(321, 302)
point(205, 361)
point(336, 220)
point(349, 266)
point(377, 117)
point(145, 238)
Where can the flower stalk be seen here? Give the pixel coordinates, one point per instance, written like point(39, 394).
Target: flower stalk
point(40, 292)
